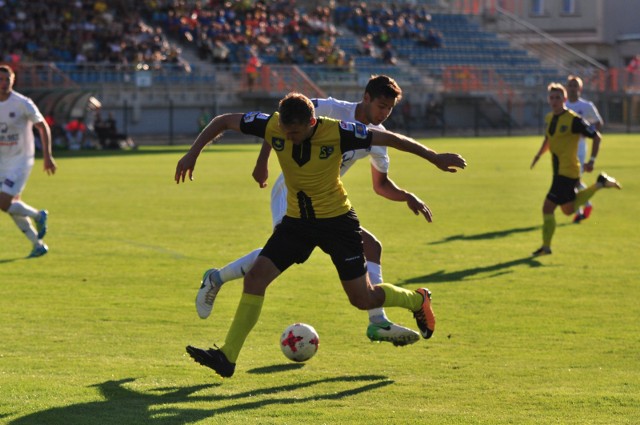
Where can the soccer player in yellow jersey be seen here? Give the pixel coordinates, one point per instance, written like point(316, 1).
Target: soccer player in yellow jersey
point(562, 135)
point(319, 213)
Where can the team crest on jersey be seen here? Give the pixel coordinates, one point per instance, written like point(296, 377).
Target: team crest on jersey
point(277, 143)
point(3, 127)
point(8, 183)
point(250, 116)
point(325, 151)
point(563, 128)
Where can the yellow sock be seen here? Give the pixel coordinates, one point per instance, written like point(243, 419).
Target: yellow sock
point(548, 228)
point(396, 296)
point(245, 319)
point(584, 195)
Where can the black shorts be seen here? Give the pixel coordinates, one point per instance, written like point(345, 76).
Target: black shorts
point(563, 190)
point(294, 239)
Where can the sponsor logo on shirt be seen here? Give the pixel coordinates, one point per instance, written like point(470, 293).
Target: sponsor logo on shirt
point(8, 183)
point(250, 116)
point(325, 151)
point(361, 131)
point(345, 125)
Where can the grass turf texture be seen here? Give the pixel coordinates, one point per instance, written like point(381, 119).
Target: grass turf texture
point(94, 332)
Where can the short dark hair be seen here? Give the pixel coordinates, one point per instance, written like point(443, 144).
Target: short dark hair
point(295, 108)
point(7, 70)
point(383, 86)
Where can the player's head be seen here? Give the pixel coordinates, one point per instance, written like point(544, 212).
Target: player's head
point(574, 87)
point(297, 117)
point(7, 78)
point(381, 95)
point(557, 95)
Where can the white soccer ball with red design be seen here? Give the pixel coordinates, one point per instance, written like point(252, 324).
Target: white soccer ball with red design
point(299, 342)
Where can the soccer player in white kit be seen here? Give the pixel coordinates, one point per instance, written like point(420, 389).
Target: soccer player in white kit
point(380, 97)
point(589, 112)
point(18, 116)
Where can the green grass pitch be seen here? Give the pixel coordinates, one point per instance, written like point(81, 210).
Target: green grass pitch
point(94, 332)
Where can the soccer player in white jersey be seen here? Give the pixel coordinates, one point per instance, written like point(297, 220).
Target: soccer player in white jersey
point(588, 111)
point(18, 116)
point(381, 95)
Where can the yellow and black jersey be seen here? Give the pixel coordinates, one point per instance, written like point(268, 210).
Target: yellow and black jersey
point(563, 132)
point(312, 168)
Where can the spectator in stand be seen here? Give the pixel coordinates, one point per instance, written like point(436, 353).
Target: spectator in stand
point(75, 131)
point(251, 69)
point(101, 128)
point(634, 64)
point(388, 58)
point(220, 52)
point(433, 39)
point(116, 139)
point(633, 70)
point(203, 119)
point(58, 136)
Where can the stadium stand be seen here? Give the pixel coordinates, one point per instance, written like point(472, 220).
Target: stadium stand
point(133, 54)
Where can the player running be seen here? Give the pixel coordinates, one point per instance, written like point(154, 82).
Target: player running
point(563, 129)
point(18, 116)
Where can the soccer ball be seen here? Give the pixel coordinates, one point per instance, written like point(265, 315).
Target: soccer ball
point(299, 342)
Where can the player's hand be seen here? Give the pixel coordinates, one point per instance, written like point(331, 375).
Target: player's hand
point(588, 167)
point(50, 166)
point(449, 162)
point(185, 167)
point(535, 160)
point(260, 174)
point(416, 205)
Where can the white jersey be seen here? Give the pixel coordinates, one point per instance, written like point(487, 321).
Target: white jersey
point(339, 110)
point(17, 115)
point(589, 112)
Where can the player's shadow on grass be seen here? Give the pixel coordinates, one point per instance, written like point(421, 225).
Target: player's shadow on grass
point(169, 406)
point(490, 235)
point(276, 368)
point(494, 270)
point(11, 260)
point(151, 150)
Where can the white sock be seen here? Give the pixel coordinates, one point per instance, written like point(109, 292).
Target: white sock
point(237, 269)
point(20, 208)
point(374, 270)
point(24, 224)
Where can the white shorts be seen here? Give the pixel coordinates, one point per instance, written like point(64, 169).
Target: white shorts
point(582, 154)
point(278, 200)
point(14, 179)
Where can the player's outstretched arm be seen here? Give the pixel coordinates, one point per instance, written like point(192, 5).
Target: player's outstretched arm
point(215, 128)
point(387, 188)
point(449, 162)
point(261, 170)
